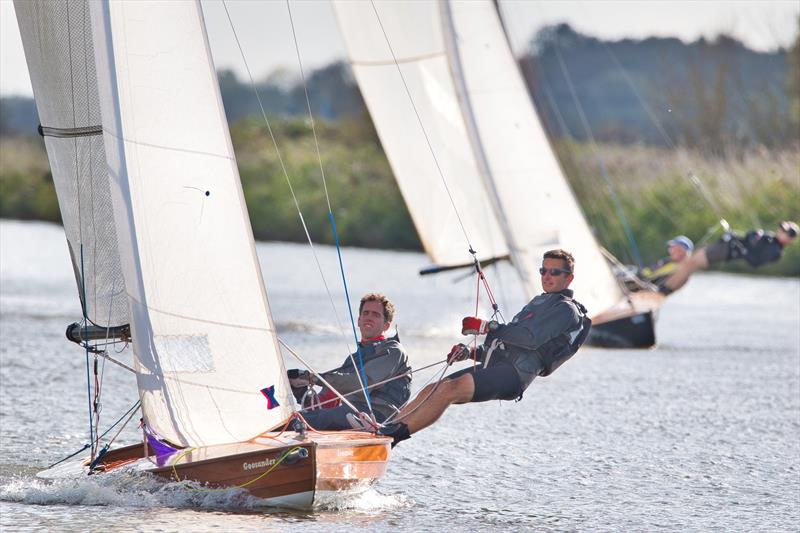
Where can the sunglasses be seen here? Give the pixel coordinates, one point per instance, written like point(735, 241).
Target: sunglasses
point(789, 230)
point(553, 271)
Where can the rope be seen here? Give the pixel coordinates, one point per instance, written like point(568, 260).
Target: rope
point(432, 152)
point(129, 411)
point(422, 126)
point(422, 402)
point(243, 485)
point(362, 376)
point(282, 165)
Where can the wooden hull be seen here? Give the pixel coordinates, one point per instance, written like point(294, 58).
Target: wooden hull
point(283, 469)
point(631, 324)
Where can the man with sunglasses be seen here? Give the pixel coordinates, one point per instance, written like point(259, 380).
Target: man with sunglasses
point(757, 248)
point(541, 337)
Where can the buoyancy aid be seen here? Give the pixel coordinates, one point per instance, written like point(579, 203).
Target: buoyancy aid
point(546, 333)
point(383, 359)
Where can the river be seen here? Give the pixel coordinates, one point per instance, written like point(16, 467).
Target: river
point(700, 433)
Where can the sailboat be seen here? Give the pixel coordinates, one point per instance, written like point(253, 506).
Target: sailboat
point(164, 256)
point(450, 107)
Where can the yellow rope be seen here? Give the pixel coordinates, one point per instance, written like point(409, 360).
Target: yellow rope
point(243, 485)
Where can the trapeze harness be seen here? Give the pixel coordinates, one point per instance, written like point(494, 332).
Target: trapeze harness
point(756, 247)
point(542, 336)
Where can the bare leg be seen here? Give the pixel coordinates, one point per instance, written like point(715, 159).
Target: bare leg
point(450, 391)
point(411, 406)
point(697, 261)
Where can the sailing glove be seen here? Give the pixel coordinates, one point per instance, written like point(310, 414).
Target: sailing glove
point(475, 326)
point(459, 352)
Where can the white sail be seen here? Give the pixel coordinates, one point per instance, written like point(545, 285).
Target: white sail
point(531, 189)
point(506, 160)
point(203, 337)
point(415, 35)
point(61, 63)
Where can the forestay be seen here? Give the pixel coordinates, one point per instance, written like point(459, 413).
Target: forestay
point(203, 336)
point(60, 57)
point(486, 135)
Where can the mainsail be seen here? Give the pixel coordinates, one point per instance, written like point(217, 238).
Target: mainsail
point(208, 365)
point(464, 71)
point(417, 44)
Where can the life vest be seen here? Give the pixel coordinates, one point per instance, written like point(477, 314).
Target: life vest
point(566, 334)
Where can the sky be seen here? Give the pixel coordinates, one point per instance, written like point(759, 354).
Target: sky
point(264, 25)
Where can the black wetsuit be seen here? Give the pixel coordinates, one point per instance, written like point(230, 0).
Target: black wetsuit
point(757, 247)
point(541, 337)
point(383, 359)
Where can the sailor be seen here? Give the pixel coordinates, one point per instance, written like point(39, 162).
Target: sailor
point(756, 247)
point(540, 338)
point(678, 249)
point(383, 359)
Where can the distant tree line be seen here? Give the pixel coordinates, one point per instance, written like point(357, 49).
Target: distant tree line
point(715, 96)
point(647, 103)
point(708, 95)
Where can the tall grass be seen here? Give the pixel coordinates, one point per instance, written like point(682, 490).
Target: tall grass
point(758, 189)
point(660, 200)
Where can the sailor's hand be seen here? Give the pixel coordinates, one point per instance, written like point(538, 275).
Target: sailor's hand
point(459, 352)
point(475, 326)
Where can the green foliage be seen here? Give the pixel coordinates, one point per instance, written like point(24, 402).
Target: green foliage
point(26, 186)
point(365, 199)
point(659, 200)
point(650, 184)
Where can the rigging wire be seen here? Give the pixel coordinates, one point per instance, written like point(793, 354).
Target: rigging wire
point(362, 374)
point(600, 161)
point(285, 172)
point(433, 156)
point(80, 230)
point(130, 411)
point(602, 224)
point(422, 127)
point(692, 177)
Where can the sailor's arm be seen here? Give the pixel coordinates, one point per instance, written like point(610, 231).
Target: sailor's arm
point(528, 334)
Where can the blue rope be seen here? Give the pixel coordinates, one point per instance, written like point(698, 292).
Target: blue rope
point(362, 375)
point(86, 348)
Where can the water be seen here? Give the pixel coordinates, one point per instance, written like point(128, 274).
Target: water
point(699, 434)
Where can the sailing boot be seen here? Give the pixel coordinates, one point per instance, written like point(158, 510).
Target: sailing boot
point(398, 431)
point(362, 422)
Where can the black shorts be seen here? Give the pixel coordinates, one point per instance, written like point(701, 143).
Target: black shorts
point(498, 382)
point(718, 252)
